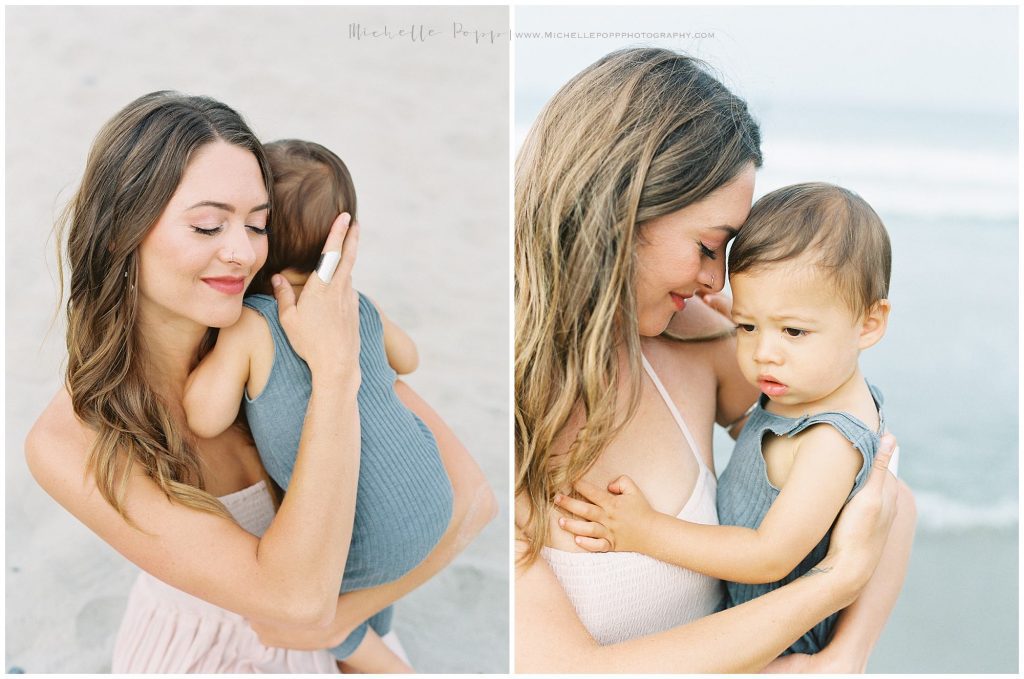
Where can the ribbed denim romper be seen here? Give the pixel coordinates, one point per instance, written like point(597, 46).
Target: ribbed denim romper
point(745, 494)
point(404, 497)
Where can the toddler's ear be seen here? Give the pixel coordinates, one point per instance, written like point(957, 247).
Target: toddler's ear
point(875, 322)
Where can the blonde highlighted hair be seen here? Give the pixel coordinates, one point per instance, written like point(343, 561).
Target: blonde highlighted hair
point(134, 167)
point(639, 134)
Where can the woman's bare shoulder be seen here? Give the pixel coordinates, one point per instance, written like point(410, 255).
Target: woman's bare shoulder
point(57, 439)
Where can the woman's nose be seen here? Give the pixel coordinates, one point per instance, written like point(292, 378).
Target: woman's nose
point(713, 276)
point(238, 249)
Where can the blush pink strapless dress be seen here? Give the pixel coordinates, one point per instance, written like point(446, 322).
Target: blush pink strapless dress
point(166, 630)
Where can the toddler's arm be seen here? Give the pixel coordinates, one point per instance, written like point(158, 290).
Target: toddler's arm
point(620, 519)
point(374, 657)
point(401, 350)
point(213, 391)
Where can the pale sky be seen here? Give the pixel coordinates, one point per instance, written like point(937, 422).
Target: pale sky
point(938, 58)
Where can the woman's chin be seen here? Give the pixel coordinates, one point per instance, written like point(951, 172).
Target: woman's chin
point(654, 325)
point(223, 318)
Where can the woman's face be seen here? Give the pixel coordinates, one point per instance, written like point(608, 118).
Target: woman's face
point(199, 257)
point(684, 251)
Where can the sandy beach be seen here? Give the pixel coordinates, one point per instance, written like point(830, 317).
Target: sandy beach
point(422, 125)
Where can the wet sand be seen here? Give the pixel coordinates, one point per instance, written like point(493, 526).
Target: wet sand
point(958, 611)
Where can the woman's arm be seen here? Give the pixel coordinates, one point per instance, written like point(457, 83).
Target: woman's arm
point(473, 507)
point(860, 624)
point(294, 571)
point(550, 637)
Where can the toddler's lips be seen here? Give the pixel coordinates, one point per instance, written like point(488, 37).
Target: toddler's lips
point(678, 300)
point(771, 387)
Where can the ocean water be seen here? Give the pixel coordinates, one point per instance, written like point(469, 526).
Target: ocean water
point(945, 184)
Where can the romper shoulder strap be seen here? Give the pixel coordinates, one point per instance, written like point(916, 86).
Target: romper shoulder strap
point(855, 431)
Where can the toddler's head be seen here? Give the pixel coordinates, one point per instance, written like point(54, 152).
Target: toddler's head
point(810, 278)
point(311, 187)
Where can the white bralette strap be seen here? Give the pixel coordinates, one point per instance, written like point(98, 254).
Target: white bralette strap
point(672, 409)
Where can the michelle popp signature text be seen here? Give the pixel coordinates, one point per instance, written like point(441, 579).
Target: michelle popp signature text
point(423, 33)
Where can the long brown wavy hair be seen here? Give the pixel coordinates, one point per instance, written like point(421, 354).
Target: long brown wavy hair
point(133, 169)
point(639, 134)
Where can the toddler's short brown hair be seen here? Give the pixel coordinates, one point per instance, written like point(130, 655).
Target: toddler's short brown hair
point(846, 236)
point(311, 187)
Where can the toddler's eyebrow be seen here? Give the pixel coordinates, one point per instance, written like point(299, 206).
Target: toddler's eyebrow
point(781, 318)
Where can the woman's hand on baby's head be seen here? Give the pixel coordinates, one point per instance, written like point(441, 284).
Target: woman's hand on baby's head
point(613, 520)
point(323, 325)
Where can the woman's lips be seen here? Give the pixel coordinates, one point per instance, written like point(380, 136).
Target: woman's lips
point(771, 386)
point(229, 285)
point(678, 300)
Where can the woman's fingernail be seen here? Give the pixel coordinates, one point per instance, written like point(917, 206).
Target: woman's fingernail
point(276, 281)
point(561, 522)
point(558, 497)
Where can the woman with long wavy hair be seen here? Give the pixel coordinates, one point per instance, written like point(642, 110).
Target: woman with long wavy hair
point(628, 188)
point(167, 229)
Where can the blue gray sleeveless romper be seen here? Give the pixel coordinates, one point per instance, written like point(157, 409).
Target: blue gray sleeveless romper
point(745, 494)
point(404, 497)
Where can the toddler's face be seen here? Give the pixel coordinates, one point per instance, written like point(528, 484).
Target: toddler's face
point(797, 341)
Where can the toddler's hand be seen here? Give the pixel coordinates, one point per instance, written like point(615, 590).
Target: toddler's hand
point(719, 301)
point(615, 519)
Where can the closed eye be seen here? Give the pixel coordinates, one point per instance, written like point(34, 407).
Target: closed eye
point(707, 252)
point(259, 231)
point(207, 230)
